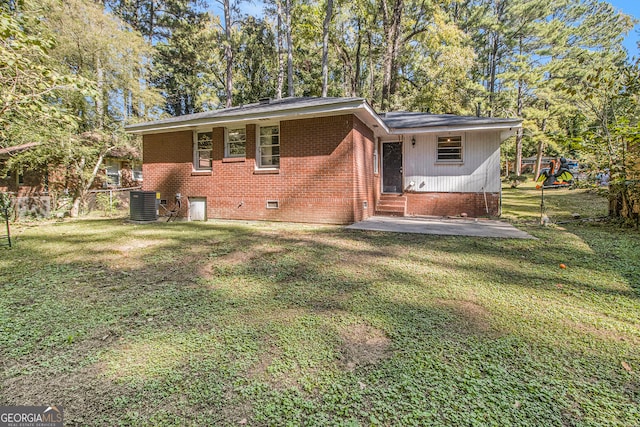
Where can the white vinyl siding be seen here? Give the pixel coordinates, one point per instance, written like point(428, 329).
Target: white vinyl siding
point(479, 172)
point(268, 147)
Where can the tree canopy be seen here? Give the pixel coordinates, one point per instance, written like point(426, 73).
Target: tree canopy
point(83, 67)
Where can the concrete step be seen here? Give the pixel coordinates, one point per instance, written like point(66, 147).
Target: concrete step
point(391, 205)
point(389, 212)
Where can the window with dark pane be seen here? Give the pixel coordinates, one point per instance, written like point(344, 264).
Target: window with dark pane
point(449, 148)
point(204, 146)
point(236, 143)
point(269, 147)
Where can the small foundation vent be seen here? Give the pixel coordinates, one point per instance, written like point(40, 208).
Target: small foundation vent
point(273, 204)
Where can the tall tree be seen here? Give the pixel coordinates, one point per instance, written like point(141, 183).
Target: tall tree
point(288, 31)
point(228, 10)
point(30, 84)
point(94, 47)
point(281, 13)
point(392, 13)
point(256, 62)
point(325, 48)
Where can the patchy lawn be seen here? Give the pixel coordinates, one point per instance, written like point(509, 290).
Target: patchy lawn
point(224, 323)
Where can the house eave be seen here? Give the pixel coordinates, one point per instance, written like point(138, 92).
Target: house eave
point(338, 108)
point(463, 128)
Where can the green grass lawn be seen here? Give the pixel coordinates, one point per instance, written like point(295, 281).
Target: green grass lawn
point(223, 323)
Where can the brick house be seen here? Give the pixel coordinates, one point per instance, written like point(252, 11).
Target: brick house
point(37, 190)
point(324, 160)
point(121, 169)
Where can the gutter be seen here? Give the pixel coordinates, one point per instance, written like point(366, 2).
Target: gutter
point(459, 128)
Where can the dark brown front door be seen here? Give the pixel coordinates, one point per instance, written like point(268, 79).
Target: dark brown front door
point(392, 167)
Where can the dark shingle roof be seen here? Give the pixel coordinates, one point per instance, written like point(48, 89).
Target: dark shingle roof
point(17, 148)
point(408, 120)
point(272, 105)
point(396, 121)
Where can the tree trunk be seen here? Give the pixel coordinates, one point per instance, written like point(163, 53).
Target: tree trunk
point(325, 48)
point(77, 193)
point(75, 207)
point(355, 86)
point(540, 149)
point(519, 107)
point(392, 28)
point(100, 94)
point(494, 49)
point(287, 16)
point(347, 68)
point(372, 74)
point(152, 15)
point(280, 82)
point(493, 65)
point(228, 53)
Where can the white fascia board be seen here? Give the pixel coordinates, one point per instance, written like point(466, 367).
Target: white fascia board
point(467, 128)
point(373, 119)
point(507, 133)
point(276, 115)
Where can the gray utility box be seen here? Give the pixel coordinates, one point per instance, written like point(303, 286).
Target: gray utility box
point(143, 206)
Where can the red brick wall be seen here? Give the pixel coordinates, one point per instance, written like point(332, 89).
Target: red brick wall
point(167, 163)
point(317, 180)
point(364, 180)
point(33, 183)
point(452, 204)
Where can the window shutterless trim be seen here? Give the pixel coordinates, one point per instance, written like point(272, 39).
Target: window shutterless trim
point(260, 147)
point(227, 143)
point(198, 151)
point(450, 149)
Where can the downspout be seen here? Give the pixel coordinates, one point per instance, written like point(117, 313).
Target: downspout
point(484, 190)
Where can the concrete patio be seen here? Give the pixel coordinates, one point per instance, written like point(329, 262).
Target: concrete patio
point(442, 226)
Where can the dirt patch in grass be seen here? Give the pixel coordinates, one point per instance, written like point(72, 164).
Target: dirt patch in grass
point(363, 345)
point(605, 334)
point(82, 392)
point(470, 316)
point(262, 370)
point(224, 256)
point(136, 245)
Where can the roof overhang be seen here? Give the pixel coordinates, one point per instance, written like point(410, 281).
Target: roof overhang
point(330, 107)
point(359, 107)
point(10, 151)
point(464, 128)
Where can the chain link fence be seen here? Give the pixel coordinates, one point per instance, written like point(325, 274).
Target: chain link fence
point(108, 202)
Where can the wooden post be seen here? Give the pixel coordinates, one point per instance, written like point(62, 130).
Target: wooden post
point(5, 214)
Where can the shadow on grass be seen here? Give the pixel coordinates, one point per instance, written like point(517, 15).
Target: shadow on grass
point(158, 324)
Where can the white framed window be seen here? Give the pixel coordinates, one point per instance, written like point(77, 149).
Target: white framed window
point(375, 159)
point(449, 149)
point(112, 170)
point(268, 147)
point(202, 148)
point(136, 171)
point(235, 143)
